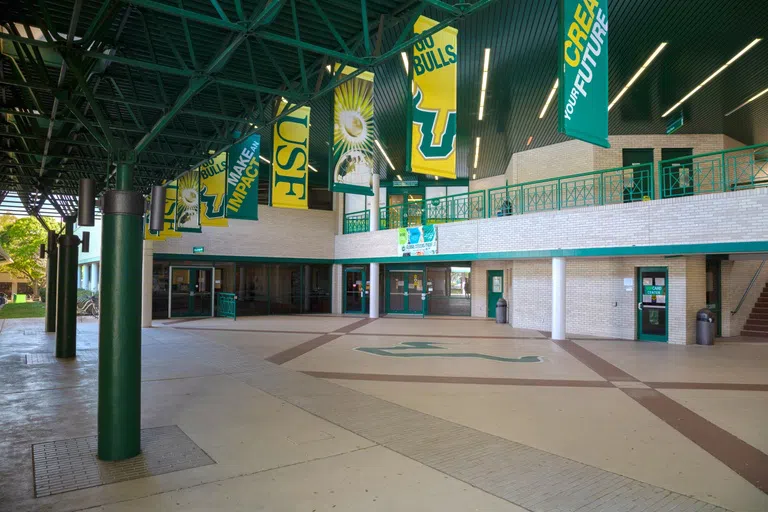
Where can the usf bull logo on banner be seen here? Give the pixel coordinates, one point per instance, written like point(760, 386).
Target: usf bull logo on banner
point(243, 179)
point(433, 130)
point(213, 191)
point(583, 97)
point(290, 155)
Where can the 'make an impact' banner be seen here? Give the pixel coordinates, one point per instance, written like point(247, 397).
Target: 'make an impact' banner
point(583, 95)
point(213, 191)
point(243, 179)
point(353, 134)
point(418, 241)
point(290, 155)
point(433, 130)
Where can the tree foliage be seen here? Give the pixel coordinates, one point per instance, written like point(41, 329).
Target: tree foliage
point(21, 239)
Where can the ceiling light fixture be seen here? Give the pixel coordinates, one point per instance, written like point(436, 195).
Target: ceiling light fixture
point(639, 72)
point(328, 67)
point(530, 139)
point(399, 177)
point(211, 151)
point(549, 98)
point(477, 152)
point(378, 145)
point(263, 159)
point(713, 75)
point(484, 84)
point(750, 100)
point(474, 176)
point(312, 168)
point(436, 178)
point(405, 61)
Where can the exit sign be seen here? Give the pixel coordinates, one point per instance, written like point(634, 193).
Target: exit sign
point(197, 250)
point(675, 124)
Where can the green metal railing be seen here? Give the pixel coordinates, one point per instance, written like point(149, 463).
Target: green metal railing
point(226, 305)
point(720, 171)
point(436, 210)
point(357, 222)
point(609, 186)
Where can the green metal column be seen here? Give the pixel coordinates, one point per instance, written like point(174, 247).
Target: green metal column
point(120, 320)
point(50, 283)
point(66, 301)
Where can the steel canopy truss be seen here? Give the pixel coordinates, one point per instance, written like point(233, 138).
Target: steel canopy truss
point(86, 83)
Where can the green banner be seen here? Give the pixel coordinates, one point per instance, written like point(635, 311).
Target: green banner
point(243, 179)
point(188, 202)
point(583, 95)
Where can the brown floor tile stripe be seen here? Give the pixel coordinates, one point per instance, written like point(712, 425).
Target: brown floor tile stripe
point(722, 386)
point(460, 336)
point(743, 458)
point(179, 321)
point(438, 379)
point(299, 350)
point(597, 364)
point(356, 325)
point(269, 331)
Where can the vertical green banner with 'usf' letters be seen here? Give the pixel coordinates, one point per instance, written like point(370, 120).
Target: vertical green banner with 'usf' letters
point(243, 179)
point(583, 94)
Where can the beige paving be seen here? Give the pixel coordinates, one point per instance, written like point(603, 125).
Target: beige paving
point(341, 355)
point(268, 323)
point(600, 427)
point(452, 327)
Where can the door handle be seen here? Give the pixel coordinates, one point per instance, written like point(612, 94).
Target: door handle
point(640, 306)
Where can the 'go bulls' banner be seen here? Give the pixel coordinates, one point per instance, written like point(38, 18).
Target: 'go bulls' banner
point(243, 179)
point(213, 191)
point(290, 153)
point(433, 130)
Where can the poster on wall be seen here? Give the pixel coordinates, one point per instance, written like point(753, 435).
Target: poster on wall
point(213, 191)
point(583, 98)
point(290, 157)
point(433, 108)
point(243, 179)
point(417, 241)
point(353, 134)
point(188, 202)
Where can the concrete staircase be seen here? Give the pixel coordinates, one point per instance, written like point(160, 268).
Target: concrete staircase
point(757, 323)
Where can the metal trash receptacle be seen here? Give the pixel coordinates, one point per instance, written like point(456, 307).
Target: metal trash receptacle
point(501, 311)
point(705, 327)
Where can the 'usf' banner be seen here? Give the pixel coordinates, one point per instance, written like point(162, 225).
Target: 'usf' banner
point(433, 130)
point(243, 179)
point(583, 97)
point(213, 191)
point(290, 152)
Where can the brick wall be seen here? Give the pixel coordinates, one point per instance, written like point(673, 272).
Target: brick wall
point(486, 183)
point(570, 157)
point(479, 284)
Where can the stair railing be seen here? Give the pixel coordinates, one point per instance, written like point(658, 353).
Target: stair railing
point(749, 287)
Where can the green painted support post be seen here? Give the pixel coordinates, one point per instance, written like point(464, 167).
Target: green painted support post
point(120, 321)
point(66, 300)
point(50, 283)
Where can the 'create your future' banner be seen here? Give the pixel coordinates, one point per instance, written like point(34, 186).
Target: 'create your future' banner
point(243, 179)
point(433, 111)
point(290, 155)
point(583, 95)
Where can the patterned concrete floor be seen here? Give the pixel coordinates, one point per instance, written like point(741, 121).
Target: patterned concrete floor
point(298, 417)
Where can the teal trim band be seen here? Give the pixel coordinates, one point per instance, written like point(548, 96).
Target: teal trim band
point(635, 250)
point(240, 259)
point(352, 189)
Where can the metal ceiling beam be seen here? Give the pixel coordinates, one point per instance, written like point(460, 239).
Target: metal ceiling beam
point(187, 14)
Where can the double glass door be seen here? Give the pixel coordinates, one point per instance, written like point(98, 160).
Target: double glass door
point(356, 289)
point(652, 293)
point(190, 292)
point(406, 292)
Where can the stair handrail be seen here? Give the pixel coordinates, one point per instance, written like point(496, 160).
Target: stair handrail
point(749, 287)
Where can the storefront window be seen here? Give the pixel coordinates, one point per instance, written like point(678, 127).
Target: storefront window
point(449, 290)
point(160, 290)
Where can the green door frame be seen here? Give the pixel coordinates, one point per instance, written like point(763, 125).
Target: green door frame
point(492, 297)
point(363, 298)
point(406, 309)
point(192, 283)
point(639, 315)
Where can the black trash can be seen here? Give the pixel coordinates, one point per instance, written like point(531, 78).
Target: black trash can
point(705, 327)
point(501, 311)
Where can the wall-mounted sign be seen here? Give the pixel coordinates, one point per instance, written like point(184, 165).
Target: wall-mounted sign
point(675, 124)
point(405, 183)
point(583, 96)
point(417, 241)
point(198, 250)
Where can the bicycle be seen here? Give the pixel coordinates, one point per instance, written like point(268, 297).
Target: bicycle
point(88, 307)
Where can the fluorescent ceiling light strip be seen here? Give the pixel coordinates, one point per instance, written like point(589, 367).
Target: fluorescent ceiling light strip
point(484, 84)
point(312, 168)
point(399, 177)
point(549, 99)
point(712, 76)
point(378, 145)
point(477, 151)
point(474, 176)
point(637, 74)
point(750, 100)
point(263, 159)
point(530, 139)
point(405, 61)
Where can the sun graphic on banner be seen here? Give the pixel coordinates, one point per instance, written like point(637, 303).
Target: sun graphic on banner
point(353, 132)
point(188, 199)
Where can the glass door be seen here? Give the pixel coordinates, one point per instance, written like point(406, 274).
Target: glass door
point(202, 292)
point(191, 292)
point(416, 297)
point(179, 290)
point(355, 291)
point(652, 293)
point(406, 292)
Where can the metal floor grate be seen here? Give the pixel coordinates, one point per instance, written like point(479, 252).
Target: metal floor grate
point(71, 464)
point(82, 356)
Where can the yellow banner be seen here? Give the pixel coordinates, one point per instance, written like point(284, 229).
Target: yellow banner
point(213, 191)
point(290, 157)
point(433, 130)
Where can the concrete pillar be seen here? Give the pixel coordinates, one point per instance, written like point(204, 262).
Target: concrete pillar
point(558, 298)
point(373, 298)
point(146, 284)
point(86, 269)
point(95, 277)
point(373, 209)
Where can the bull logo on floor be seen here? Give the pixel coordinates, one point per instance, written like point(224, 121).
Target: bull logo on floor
point(405, 349)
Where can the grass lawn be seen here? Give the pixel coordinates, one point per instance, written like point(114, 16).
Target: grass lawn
point(23, 310)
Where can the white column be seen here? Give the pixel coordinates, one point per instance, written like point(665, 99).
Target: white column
point(373, 277)
point(86, 277)
point(373, 209)
point(79, 276)
point(373, 298)
point(558, 298)
point(146, 284)
point(337, 289)
point(95, 276)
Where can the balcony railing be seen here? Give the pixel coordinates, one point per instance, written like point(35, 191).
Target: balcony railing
point(721, 171)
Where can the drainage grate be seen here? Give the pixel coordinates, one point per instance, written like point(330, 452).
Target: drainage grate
point(82, 356)
point(71, 464)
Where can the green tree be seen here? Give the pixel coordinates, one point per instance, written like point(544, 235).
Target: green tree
point(21, 239)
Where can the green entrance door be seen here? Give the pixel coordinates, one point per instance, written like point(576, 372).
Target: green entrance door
point(191, 292)
point(355, 291)
point(405, 292)
point(641, 177)
point(495, 290)
point(652, 294)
